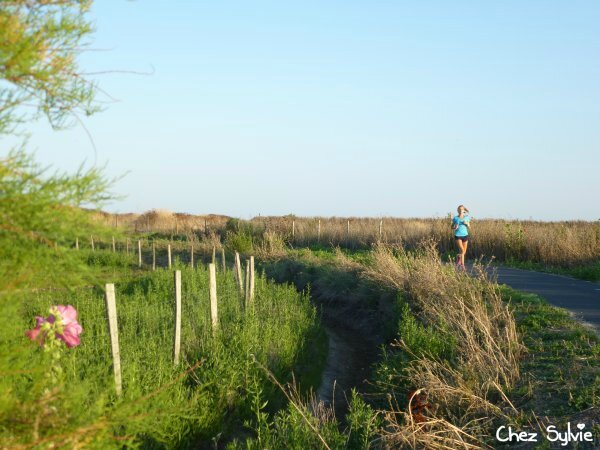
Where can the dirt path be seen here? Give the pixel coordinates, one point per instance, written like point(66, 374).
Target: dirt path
point(580, 297)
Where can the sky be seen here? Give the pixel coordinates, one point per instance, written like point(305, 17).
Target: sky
point(343, 108)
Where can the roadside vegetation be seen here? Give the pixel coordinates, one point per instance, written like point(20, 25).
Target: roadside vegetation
point(569, 248)
point(209, 394)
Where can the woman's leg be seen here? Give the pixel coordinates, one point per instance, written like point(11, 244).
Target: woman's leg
point(461, 250)
point(464, 253)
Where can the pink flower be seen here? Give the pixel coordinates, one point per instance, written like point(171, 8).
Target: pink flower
point(61, 323)
point(71, 329)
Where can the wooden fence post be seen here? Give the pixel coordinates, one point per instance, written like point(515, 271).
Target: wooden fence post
point(247, 284)
point(153, 256)
point(169, 254)
point(380, 228)
point(113, 331)
point(127, 245)
point(319, 231)
point(251, 296)
point(223, 259)
point(139, 253)
point(92, 241)
point(214, 316)
point(192, 255)
point(348, 228)
point(77, 243)
point(214, 256)
point(238, 272)
point(177, 340)
point(293, 229)
point(114, 245)
point(205, 227)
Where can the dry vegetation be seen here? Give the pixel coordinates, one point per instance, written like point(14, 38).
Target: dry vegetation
point(559, 244)
point(562, 244)
point(162, 220)
point(462, 358)
point(555, 244)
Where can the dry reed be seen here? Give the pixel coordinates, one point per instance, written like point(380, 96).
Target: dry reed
point(467, 393)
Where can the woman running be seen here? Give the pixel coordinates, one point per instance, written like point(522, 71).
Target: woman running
point(461, 225)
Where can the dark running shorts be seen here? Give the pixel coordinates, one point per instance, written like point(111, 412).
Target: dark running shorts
point(462, 238)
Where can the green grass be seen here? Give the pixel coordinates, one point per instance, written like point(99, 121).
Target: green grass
point(589, 271)
point(561, 371)
point(163, 406)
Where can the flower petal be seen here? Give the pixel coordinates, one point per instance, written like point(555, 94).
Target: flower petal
point(33, 334)
point(67, 313)
point(69, 338)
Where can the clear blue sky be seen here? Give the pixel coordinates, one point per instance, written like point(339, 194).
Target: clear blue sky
point(346, 108)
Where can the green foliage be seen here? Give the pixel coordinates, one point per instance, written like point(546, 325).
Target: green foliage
point(417, 340)
point(239, 236)
point(107, 259)
point(364, 423)
point(38, 69)
point(162, 405)
point(514, 242)
point(41, 217)
point(420, 340)
point(561, 370)
point(290, 428)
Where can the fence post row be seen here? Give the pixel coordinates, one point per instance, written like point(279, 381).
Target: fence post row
point(169, 254)
point(113, 331)
point(223, 259)
point(177, 340)
point(192, 255)
point(213, 296)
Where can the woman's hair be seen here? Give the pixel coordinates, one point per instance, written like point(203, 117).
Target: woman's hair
point(462, 206)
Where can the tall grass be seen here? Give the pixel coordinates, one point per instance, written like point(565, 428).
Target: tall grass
point(561, 244)
point(208, 395)
point(457, 353)
point(558, 244)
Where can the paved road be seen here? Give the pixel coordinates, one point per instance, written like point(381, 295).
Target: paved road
point(580, 297)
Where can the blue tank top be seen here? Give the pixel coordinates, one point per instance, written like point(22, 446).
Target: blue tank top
point(462, 229)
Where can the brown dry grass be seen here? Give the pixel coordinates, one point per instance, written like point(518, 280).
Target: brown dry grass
point(564, 244)
point(468, 393)
point(561, 244)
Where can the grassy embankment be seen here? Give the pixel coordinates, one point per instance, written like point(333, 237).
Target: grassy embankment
point(475, 355)
point(216, 389)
